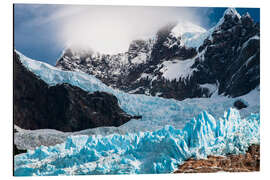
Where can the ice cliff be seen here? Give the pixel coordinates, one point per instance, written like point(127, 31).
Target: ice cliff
point(160, 151)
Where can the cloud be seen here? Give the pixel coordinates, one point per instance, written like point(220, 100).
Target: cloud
point(108, 29)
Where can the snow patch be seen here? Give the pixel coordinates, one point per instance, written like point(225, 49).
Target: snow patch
point(211, 87)
point(186, 27)
point(141, 58)
point(177, 69)
point(232, 12)
point(191, 35)
point(253, 37)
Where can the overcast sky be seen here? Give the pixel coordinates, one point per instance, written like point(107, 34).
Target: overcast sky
point(42, 31)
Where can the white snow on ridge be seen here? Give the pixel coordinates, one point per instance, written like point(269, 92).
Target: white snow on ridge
point(180, 69)
point(249, 59)
point(233, 12)
point(253, 37)
point(141, 58)
point(211, 87)
point(196, 39)
point(145, 75)
point(177, 69)
point(186, 27)
point(191, 35)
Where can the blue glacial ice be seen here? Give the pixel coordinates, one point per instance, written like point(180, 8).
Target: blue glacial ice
point(159, 151)
point(167, 135)
point(156, 112)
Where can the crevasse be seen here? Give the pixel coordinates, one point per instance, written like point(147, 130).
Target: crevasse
point(159, 151)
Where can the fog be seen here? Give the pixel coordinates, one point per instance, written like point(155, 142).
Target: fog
point(110, 29)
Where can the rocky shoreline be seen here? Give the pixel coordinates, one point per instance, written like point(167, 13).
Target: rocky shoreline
point(248, 162)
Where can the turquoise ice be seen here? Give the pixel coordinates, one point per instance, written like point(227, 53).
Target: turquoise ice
point(167, 135)
point(160, 151)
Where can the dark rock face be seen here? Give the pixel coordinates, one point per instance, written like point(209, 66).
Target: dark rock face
point(17, 151)
point(228, 61)
point(239, 104)
point(62, 107)
point(232, 58)
point(162, 51)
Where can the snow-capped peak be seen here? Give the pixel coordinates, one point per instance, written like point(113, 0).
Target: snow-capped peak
point(186, 27)
point(247, 15)
point(191, 35)
point(232, 11)
point(229, 11)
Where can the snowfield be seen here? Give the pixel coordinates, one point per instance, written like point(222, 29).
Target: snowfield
point(177, 69)
point(167, 134)
point(191, 35)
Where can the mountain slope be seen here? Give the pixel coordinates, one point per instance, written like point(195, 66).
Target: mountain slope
point(181, 61)
point(63, 106)
point(156, 112)
point(144, 141)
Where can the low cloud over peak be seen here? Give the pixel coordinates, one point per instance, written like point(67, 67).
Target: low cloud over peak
point(107, 29)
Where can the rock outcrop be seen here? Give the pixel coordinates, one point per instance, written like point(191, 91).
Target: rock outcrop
point(232, 163)
point(62, 107)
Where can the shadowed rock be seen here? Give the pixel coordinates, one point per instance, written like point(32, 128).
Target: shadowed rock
point(62, 107)
point(239, 104)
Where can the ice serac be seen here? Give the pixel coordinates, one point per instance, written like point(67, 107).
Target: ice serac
point(160, 151)
point(145, 141)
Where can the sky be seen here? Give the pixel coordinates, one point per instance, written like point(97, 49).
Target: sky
point(42, 32)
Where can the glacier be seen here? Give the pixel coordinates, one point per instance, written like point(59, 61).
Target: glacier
point(156, 112)
point(159, 151)
point(166, 136)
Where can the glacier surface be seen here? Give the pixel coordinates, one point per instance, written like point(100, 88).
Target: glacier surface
point(167, 134)
point(156, 112)
point(159, 151)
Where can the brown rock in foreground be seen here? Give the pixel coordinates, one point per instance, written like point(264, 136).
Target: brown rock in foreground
point(232, 163)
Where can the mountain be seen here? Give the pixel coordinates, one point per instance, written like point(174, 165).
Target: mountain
point(181, 61)
point(64, 107)
point(168, 133)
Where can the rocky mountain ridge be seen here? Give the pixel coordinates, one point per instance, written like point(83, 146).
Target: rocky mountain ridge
point(223, 60)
